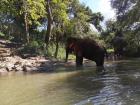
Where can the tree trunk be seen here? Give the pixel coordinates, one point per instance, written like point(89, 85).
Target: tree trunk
point(49, 24)
point(67, 54)
point(26, 27)
point(9, 31)
point(57, 48)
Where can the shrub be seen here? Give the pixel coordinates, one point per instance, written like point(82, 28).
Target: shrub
point(33, 48)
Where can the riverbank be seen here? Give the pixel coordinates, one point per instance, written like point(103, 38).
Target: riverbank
point(10, 61)
point(38, 63)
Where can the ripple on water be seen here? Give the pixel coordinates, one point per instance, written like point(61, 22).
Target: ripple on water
point(118, 85)
point(108, 95)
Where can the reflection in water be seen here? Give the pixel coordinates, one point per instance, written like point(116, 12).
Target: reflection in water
point(109, 94)
point(116, 84)
point(63, 88)
point(115, 90)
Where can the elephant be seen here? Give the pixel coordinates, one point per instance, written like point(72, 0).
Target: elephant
point(85, 48)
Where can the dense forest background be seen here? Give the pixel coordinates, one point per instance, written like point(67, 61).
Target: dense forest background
point(41, 27)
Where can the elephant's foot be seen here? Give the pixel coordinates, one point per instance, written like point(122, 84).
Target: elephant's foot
point(79, 65)
point(100, 63)
point(79, 61)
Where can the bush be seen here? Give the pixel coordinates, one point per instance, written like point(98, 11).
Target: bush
point(33, 48)
point(132, 51)
point(37, 48)
point(2, 35)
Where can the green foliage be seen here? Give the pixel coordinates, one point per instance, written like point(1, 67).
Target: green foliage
point(12, 15)
point(79, 15)
point(19, 18)
point(61, 52)
point(2, 34)
point(59, 11)
point(33, 48)
point(110, 50)
point(34, 9)
point(128, 19)
point(95, 19)
point(127, 11)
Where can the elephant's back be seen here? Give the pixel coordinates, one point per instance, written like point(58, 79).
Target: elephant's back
point(90, 46)
point(91, 50)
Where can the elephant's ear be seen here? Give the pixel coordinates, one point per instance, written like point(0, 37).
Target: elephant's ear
point(77, 50)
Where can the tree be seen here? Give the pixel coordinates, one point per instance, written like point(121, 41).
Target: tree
point(128, 19)
point(24, 19)
point(127, 11)
point(95, 19)
point(32, 11)
point(60, 20)
point(49, 22)
point(79, 16)
point(24, 12)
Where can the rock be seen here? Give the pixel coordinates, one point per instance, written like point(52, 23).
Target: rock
point(34, 68)
point(18, 63)
point(9, 63)
point(3, 70)
point(24, 68)
point(28, 63)
point(2, 58)
point(9, 67)
point(18, 68)
point(29, 68)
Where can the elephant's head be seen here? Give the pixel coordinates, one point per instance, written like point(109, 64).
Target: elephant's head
point(70, 46)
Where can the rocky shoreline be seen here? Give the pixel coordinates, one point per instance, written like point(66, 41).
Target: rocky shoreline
point(13, 62)
point(10, 62)
point(38, 63)
point(16, 63)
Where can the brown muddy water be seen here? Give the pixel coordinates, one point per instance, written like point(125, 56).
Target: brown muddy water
point(119, 84)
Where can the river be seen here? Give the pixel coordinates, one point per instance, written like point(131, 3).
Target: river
point(119, 84)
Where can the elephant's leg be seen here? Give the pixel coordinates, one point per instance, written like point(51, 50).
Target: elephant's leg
point(100, 61)
point(79, 60)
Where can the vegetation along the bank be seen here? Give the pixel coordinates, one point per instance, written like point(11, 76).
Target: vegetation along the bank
point(41, 27)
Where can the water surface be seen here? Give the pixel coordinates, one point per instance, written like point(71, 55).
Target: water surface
point(118, 85)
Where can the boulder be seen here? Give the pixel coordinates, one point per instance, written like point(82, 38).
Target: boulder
point(9, 66)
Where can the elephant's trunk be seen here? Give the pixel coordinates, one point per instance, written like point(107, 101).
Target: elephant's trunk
point(67, 53)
